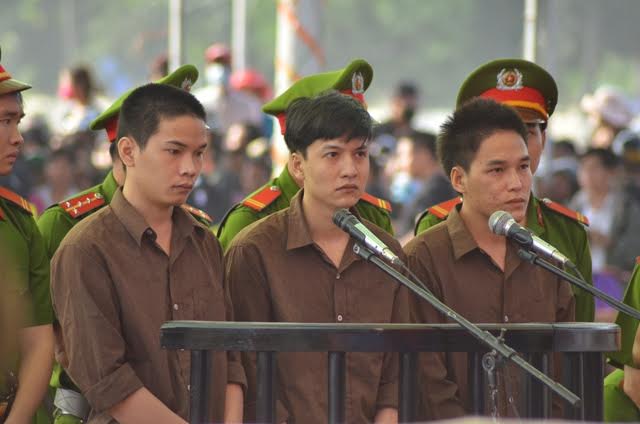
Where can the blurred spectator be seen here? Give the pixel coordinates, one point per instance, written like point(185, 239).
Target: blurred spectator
point(561, 186)
point(419, 181)
point(404, 103)
point(631, 167)
point(254, 84)
point(78, 90)
point(223, 104)
point(560, 182)
point(614, 221)
point(609, 112)
point(58, 180)
point(256, 168)
point(159, 68)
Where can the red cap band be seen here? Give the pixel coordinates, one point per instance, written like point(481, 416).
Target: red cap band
point(526, 97)
point(112, 128)
point(4, 75)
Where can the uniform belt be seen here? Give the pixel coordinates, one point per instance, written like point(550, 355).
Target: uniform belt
point(70, 402)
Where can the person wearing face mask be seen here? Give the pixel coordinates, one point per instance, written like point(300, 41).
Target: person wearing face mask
point(224, 105)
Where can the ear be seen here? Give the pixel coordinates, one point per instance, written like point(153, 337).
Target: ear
point(127, 150)
point(297, 166)
point(458, 179)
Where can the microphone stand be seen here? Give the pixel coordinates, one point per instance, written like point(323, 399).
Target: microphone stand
point(484, 336)
point(533, 258)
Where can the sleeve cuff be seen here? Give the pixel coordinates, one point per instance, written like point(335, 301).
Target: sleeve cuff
point(387, 396)
point(236, 375)
point(113, 388)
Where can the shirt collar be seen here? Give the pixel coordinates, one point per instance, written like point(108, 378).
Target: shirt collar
point(535, 219)
point(183, 223)
point(298, 233)
point(461, 239)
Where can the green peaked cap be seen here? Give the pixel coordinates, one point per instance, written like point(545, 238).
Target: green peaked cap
point(8, 84)
point(516, 82)
point(183, 77)
point(312, 85)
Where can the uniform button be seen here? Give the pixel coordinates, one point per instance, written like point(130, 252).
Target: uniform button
point(188, 387)
point(506, 318)
point(175, 307)
point(337, 276)
point(340, 318)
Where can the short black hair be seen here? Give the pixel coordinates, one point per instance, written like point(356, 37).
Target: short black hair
point(142, 110)
point(464, 131)
point(327, 116)
point(607, 158)
point(406, 89)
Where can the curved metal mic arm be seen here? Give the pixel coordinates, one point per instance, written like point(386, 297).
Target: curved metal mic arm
point(485, 337)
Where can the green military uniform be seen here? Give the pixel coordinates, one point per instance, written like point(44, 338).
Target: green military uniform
point(276, 194)
point(58, 219)
point(555, 224)
point(617, 405)
point(22, 247)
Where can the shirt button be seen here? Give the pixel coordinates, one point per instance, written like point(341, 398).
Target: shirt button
point(506, 318)
point(188, 387)
point(175, 307)
point(340, 318)
point(337, 276)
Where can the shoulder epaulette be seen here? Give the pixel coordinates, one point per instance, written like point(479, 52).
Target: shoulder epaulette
point(638, 260)
point(441, 210)
point(563, 210)
point(262, 198)
point(16, 199)
point(198, 213)
point(82, 204)
point(376, 201)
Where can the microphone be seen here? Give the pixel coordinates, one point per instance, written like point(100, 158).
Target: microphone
point(503, 224)
point(348, 223)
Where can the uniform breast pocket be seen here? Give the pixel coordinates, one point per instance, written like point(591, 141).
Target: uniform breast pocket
point(209, 303)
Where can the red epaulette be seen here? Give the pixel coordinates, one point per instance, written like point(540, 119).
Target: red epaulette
point(441, 210)
point(16, 199)
point(198, 213)
point(81, 205)
point(638, 260)
point(262, 198)
point(563, 210)
point(376, 201)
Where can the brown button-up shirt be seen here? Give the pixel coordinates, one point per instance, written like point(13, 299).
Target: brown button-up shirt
point(276, 272)
point(448, 260)
point(113, 287)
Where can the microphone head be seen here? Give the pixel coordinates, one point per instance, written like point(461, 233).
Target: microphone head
point(341, 216)
point(498, 222)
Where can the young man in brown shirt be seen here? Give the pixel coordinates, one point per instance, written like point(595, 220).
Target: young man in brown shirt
point(125, 270)
point(297, 266)
point(477, 273)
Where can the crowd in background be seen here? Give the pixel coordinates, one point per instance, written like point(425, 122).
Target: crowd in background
point(599, 179)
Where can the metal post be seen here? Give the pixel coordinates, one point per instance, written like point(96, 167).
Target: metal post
point(239, 34)
point(337, 387)
point(199, 386)
point(476, 382)
point(265, 390)
point(175, 34)
point(529, 29)
point(593, 375)
point(408, 386)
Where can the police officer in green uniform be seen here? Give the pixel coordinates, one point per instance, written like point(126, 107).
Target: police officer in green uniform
point(618, 406)
point(533, 93)
point(25, 274)
point(277, 193)
point(58, 219)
